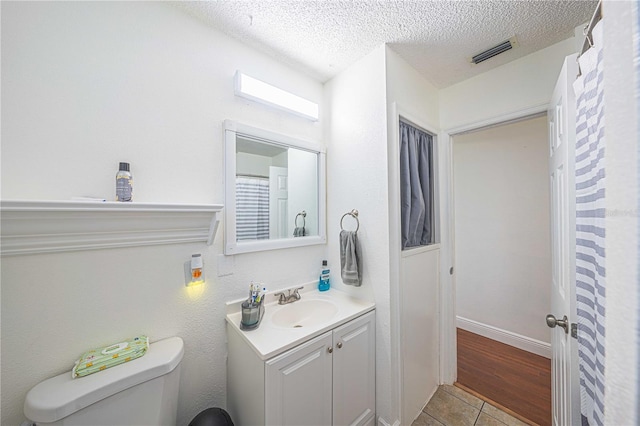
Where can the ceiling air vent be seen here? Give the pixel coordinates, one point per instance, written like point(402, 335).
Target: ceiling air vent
point(495, 50)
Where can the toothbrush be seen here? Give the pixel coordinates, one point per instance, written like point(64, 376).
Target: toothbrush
point(261, 294)
point(251, 298)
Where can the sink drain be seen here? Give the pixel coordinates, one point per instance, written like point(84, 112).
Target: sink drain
point(297, 326)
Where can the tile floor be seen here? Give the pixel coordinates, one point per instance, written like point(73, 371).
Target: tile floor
point(451, 406)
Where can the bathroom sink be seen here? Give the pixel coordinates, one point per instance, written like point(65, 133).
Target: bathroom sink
point(304, 313)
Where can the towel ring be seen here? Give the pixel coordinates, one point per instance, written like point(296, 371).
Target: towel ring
point(353, 213)
point(304, 221)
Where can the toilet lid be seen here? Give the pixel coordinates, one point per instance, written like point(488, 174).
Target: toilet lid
point(61, 396)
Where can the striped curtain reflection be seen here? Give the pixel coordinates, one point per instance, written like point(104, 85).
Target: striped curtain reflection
point(252, 208)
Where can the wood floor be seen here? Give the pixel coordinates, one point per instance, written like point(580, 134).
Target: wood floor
point(515, 379)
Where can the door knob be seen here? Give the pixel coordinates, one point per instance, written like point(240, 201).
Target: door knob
point(339, 345)
point(330, 349)
point(553, 321)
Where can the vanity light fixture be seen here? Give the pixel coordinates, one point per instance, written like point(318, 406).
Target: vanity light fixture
point(259, 91)
point(194, 271)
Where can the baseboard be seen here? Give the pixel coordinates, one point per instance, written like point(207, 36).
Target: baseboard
point(507, 337)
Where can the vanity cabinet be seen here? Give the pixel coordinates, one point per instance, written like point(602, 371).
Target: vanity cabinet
point(299, 385)
point(327, 380)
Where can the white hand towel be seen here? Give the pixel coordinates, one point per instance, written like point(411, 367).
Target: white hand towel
point(350, 261)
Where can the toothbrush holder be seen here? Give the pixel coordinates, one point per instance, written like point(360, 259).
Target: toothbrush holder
point(252, 314)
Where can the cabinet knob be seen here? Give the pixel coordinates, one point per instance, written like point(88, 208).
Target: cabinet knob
point(339, 345)
point(330, 349)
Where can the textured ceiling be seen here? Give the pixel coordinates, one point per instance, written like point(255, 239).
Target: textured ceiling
point(322, 38)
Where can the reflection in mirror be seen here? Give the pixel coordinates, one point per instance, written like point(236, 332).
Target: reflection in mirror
point(274, 190)
point(273, 185)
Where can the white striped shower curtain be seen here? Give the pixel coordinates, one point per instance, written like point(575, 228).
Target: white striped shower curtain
point(636, 36)
point(252, 208)
point(590, 230)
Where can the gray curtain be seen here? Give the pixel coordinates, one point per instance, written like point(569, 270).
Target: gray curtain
point(416, 186)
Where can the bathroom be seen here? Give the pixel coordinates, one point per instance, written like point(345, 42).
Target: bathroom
point(88, 85)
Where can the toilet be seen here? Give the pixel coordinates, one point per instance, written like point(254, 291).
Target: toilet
point(140, 392)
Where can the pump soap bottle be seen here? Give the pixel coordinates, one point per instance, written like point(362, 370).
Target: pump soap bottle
point(323, 281)
point(124, 184)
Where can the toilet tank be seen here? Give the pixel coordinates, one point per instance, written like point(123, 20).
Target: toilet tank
point(143, 391)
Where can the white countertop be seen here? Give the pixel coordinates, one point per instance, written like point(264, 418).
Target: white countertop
point(269, 340)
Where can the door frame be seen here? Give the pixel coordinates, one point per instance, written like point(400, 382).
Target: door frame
point(448, 344)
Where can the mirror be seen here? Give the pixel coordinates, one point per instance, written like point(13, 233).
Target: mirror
point(274, 190)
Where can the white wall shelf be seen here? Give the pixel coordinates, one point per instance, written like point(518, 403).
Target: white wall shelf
point(30, 227)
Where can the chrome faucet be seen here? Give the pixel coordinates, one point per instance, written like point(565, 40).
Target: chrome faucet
point(290, 298)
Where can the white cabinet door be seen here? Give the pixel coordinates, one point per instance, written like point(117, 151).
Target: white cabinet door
point(354, 372)
point(298, 385)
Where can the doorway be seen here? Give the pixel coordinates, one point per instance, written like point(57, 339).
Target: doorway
point(502, 254)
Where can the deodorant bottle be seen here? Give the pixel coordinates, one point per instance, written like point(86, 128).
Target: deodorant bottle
point(124, 184)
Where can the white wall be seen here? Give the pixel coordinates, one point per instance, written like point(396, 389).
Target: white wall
point(356, 137)
point(521, 84)
point(84, 86)
point(362, 172)
point(303, 194)
point(409, 90)
point(502, 245)
point(84, 93)
point(252, 164)
point(415, 277)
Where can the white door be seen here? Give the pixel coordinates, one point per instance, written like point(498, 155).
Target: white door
point(565, 393)
point(278, 202)
point(298, 385)
point(354, 372)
